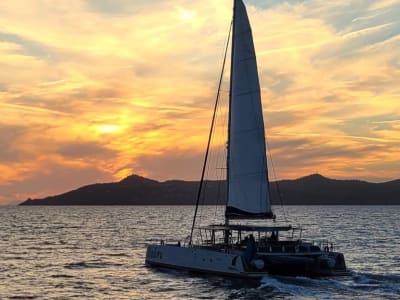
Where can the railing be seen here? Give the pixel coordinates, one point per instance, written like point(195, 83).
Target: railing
point(324, 245)
point(170, 242)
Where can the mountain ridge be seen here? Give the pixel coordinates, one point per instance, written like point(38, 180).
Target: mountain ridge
point(313, 189)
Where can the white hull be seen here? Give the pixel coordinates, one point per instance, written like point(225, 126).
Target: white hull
point(233, 263)
point(198, 260)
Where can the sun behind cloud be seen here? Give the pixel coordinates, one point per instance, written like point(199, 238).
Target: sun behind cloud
point(91, 92)
point(108, 128)
point(186, 15)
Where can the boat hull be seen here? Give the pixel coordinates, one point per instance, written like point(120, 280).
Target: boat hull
point(198, 260)
point(232, 263)
point(302, 264)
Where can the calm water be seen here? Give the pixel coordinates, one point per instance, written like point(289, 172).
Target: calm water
point(98, 252)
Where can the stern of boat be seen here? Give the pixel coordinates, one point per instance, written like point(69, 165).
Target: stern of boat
point(332, 264)
point(306, 264)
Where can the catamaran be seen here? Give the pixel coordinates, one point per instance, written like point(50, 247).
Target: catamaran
point(231, 248)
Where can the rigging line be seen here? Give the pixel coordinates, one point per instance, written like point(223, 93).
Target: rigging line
point(222, 154)
point(213, 155)
point(206, 179)
point(214, 159)
point(210, 135)
point(219, 153)
point(217, 177)
point(276, 182)
point(206, 182)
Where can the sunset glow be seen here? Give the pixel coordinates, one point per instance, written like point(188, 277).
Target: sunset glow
point(95, 90)
point(108, 128)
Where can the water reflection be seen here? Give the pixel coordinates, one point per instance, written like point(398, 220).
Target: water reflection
point(98, 252)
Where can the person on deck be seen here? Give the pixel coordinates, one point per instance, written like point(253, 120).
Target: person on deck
point(250, 248)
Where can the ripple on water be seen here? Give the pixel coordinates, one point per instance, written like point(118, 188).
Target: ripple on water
point(61, 276)
point(91, 264)
point(98, 252)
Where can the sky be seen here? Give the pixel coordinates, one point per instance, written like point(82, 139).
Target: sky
point(96, 90)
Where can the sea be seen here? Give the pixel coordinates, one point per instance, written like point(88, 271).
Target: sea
point(98, 252)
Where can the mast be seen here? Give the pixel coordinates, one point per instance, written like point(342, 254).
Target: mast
point(229, 110)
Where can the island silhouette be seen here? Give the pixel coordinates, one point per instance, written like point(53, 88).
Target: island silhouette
point(314, 189)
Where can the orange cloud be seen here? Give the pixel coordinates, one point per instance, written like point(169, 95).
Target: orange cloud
point(90, 92)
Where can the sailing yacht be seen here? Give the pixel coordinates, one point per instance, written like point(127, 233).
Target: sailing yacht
point(235, 249)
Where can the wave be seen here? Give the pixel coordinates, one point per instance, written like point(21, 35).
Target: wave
point(114, 254)
point(354, 286)
point(298, 287)
point(61, 276)
point(84, 265)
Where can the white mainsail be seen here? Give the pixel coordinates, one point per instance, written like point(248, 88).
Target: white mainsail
point(248, 187)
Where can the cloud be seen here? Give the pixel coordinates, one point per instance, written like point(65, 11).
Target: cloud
point(85, 150)
point(9, 136)
point(106, 88)
point(108, 7)
point(25, 46)
point(172, 165)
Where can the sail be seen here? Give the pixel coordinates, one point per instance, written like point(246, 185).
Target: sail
point(248, 186)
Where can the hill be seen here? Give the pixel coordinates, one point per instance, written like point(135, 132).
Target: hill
point(309, 190)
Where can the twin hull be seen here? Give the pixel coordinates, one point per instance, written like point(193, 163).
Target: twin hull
point(233, 263)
